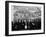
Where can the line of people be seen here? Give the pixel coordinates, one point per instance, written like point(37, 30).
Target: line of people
point(26, 25)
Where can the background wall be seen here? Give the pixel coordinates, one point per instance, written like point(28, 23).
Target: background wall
point(2, 18)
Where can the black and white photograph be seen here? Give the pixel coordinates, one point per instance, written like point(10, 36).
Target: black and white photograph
point(24, 18)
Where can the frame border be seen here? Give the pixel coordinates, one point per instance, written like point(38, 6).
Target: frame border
point(7, 18)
